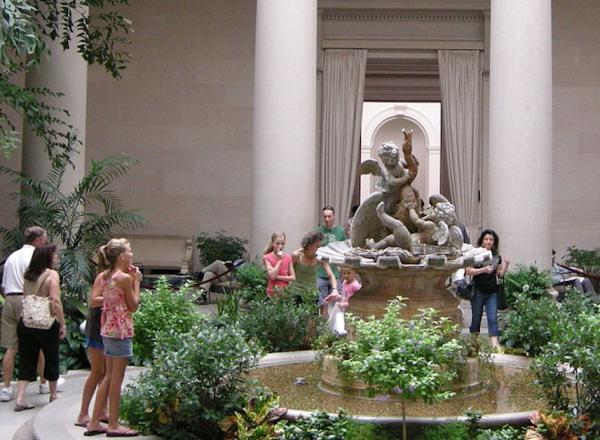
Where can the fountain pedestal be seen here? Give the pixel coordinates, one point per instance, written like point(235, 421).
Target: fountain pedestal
point(421, 287)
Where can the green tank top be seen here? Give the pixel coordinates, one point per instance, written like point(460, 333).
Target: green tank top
point(306, 274)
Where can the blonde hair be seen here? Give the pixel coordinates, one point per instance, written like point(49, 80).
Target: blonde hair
point(108, 254)
point(274, 237)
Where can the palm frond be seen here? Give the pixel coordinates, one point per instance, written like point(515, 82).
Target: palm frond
point(101, 174)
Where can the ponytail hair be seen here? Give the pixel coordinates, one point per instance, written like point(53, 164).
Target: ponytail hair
point(110, 252)
point(274, 237)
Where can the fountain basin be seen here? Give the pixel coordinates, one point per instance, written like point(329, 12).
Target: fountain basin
point(511, 402)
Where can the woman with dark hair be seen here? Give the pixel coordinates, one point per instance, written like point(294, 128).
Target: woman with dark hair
point(95, 352)
point(306, 264)
point(40, 280)
point(486, 286)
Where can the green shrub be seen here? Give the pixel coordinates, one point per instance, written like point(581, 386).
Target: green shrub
point(72, 355)
point(196, 379)
point(287, 321)
point(528, 280)
point(394, 355)
point(161, 310)
point(531, 323)
point(451, 431)
point(586, 260)
point(220, 247)
point(321, 426)
point(568, 368)
point(253, 278)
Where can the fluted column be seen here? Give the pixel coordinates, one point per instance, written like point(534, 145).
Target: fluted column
point(284, 150)
point(520, 156)
point(65, 72)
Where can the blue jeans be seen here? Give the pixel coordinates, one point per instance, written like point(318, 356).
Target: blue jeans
point(490, 301)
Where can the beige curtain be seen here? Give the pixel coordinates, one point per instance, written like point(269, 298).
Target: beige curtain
point(460, 78)
point(343, 89)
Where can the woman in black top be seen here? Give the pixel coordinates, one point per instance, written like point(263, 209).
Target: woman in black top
point(486, 286)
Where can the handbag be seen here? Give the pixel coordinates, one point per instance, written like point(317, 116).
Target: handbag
point(502, 303)
point(465, 290)
point(36, 309)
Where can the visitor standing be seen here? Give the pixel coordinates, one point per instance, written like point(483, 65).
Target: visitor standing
point(95, 350)
point(280, 269)
point(42, 281)
point(487, 287)
point(350, 285)
point(12, 282)
point(119, 287)
point(306, 263)
point(331, 232)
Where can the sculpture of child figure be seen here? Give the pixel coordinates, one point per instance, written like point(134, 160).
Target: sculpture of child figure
point(393, 187)
point(438, 227)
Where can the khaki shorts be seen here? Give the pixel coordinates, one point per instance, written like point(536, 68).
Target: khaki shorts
point(11, 313)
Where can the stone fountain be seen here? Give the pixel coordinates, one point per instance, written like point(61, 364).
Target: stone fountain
point(399, 248)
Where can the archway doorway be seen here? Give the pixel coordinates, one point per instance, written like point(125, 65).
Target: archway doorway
point(384, 121)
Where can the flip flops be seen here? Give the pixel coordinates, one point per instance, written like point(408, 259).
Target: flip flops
point(92, 432)
point(24, 407)
point(124, 432)
point(84, 424)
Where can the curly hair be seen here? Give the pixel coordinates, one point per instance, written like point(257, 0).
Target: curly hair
point(388, 149)
point(310, 238)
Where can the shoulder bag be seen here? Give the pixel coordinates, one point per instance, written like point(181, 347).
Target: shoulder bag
point(36, 309)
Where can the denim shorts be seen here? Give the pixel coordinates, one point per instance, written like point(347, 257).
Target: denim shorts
point(116, 347)
point(94, 343)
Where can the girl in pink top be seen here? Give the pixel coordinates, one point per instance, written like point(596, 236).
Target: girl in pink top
point(279, 265)
point(117, 290)
point(350, 285)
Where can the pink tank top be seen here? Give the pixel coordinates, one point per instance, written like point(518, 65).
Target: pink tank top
point(283, 270)
point(116, 320)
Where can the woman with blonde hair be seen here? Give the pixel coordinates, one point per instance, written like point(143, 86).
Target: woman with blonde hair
point(279, 265)
point(118, 290)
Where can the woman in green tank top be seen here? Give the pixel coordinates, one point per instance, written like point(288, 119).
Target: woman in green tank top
point(306, 263)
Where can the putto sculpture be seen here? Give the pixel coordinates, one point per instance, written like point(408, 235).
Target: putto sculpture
point(391, 218)
point(399, 246)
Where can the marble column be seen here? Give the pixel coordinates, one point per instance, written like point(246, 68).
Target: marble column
point(284, 146)
point(65, 72)
point(520, 144)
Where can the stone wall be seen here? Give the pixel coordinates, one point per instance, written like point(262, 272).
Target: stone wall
point(576, 78)
point(184, 109)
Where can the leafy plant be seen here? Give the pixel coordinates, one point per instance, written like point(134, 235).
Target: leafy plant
point(162, 309)
point(286, 322)
point(568, 368)
point(321, 426)
point(228, 308)
point(72, 354)
point(413, 358)
point(195, 380)
point(220, 247)
point(253, 279)
point(557, 425)
point(69, 219)
point(586, 260)
point(27, 28)
point(527, 280)
point(256, 420)
point(531, 323)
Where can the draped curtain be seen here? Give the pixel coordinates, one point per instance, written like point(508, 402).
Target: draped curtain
point(343, 91)
point(460, 78)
